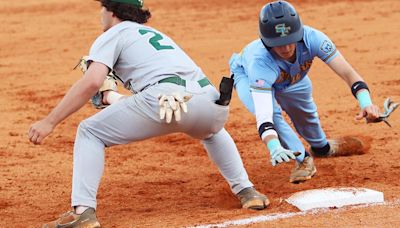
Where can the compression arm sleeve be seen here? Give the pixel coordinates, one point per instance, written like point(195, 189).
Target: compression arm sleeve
point(263, 103)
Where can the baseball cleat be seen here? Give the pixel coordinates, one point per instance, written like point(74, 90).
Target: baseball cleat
point(303, 171)
point(69, 219)
point(250, 198)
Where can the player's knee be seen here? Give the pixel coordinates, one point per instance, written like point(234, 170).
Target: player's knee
point(86, 128)
point(87, 131)
point(82, 128)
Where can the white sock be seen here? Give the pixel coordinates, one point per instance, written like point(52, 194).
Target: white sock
point(80, 209)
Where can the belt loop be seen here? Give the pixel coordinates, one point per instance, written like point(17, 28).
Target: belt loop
point(182, 82)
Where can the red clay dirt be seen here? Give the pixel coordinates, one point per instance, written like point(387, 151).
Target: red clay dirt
point(169, 181)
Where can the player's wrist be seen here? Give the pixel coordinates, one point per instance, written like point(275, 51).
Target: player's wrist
point(51, 121)
point(267, 131)
point(364, 99)
point(110, 97)
point(273, 145)
point(360, 91)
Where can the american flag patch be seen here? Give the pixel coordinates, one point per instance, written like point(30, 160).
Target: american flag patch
point(260, 82)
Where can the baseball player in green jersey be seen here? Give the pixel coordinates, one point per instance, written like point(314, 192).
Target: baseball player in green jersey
point(164, 81)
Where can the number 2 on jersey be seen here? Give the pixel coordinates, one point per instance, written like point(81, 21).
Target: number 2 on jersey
point(155, 40)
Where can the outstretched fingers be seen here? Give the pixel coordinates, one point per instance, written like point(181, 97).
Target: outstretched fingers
point(171, 105)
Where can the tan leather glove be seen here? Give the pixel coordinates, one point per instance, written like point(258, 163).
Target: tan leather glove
point(109, 84)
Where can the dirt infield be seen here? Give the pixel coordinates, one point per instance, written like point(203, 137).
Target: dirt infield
point(169, 181)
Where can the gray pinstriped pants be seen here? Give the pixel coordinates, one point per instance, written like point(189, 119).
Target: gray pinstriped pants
point(137, 118)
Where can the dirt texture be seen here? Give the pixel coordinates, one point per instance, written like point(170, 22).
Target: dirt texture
point(169, 181)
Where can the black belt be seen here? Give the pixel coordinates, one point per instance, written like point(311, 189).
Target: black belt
point(179, 81)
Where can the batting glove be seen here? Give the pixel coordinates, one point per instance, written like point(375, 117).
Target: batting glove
point(280, 155)
point(109, 84)
point(171, 105)
point(388, 106)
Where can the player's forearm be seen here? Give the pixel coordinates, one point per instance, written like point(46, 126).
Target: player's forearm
point(263, 102)
point(344, 70)
point(358, 88)
point(352, 77)
point(76, 97)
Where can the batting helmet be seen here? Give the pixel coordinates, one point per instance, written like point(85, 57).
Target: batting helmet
point(280, 24)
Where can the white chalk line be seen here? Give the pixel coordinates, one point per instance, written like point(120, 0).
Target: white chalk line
point(276, 216)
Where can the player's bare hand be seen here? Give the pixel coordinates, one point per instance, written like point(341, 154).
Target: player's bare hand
point(40, 130)
point(370, 113)
point(171, 105)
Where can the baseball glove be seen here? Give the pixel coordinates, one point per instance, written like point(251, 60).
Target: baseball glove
point(109, 84)
point(172, 105)
point(388, 106)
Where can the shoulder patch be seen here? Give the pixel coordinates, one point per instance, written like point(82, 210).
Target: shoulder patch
point(327, 47)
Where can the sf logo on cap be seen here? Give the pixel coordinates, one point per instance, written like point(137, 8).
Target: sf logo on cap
point(282, 29)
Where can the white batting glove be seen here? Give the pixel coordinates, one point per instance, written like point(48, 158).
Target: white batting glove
point(280, 155)
point(172, 105)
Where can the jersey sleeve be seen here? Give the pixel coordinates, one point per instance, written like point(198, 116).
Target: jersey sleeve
point(106, 49)
point(322, 46)
point(262, 75)
point(236, 68)
point(241, 82)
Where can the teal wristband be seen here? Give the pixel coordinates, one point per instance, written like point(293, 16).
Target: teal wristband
point(364, 99)
point(273, 144)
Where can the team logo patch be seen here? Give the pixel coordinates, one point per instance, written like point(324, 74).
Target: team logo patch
point(327, 47)
point(282, 29)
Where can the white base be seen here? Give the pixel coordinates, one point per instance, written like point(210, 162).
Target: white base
point(334, 197)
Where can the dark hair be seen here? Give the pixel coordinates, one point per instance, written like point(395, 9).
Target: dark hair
point(126, 11)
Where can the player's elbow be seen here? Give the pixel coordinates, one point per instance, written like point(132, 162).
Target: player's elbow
point(93, 86)
point(95, 76)
point(89, 85)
